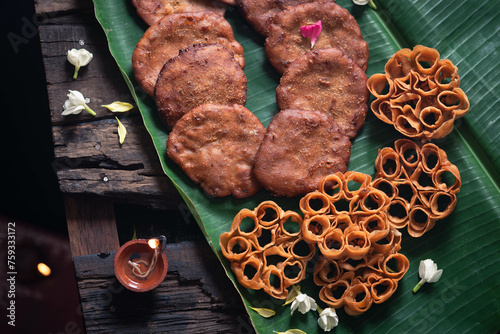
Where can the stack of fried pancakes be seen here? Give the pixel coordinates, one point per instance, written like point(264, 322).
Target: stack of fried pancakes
point(189, 61)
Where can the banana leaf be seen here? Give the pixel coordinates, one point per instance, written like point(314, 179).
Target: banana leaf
point(465, 245)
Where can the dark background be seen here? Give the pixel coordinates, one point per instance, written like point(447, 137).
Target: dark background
point(30, 194)
point(29, 186)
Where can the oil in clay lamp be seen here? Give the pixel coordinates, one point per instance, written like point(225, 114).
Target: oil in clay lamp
point(141, 265)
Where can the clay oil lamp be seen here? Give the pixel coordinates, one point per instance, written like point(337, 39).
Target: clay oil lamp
point(141, 265)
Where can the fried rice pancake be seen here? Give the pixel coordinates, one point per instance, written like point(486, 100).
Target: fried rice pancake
point(164, 39)
point(328, 81)
point(200, 74)
point(285, 42)
point(300, 148)
point(230, 2)
point(153, 10)
point(258, 13)
point(215, 146)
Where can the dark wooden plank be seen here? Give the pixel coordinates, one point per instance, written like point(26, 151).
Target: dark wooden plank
point(52, 6)
point(91, 226)
point(87, 152)
point(90, 161)
point(188, 301)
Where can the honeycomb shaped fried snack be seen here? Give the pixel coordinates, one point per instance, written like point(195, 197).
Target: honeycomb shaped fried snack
point(346, 220)
point(359, 263)
point(421, 183)
point(356, 284)
point(266, 249)
point(418, 94)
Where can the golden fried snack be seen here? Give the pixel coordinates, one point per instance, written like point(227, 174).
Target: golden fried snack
point(203, 73)
point(346, 220)
point(421, 183)
point(164, 39)
point(354, 219)
point(259, 13)
point(381, 288)
point(352, 304)
point(229, 2)
point(359, 263)
point(152, 11)
point(215, 146)
point(285, 43)
point(263, 253)
point(356, 283)
point(300, 147)
point(418, 94)
point(326, 80)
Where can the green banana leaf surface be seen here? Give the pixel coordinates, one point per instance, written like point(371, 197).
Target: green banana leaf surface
point(466, 245)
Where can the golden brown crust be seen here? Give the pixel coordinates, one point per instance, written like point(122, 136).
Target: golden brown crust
point(418, 94)
point(152, 11)
point(299, 148)
point(259, 13)
point(203, 73)
point(328, 81)
point(229, 2)
point(284, 42)
point(164, 39)
point(215, 146)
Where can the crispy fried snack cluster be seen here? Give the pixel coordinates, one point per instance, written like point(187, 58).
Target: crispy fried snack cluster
point(346, 220)
point(266, 249)
point(421, 183)
point(359, 262)
point(418, 94)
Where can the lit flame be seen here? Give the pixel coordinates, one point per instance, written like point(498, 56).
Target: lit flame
point(44, 269)
point(153, 243)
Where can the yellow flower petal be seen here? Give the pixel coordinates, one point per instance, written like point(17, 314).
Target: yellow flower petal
point(292, 294)
point(122, 132)
point(264, 312)
point(118, 106)
point(291, 331)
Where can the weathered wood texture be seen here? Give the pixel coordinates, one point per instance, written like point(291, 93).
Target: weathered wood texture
point(90, 218)
point(191, 299)
point(88, 157)
point(95, 172)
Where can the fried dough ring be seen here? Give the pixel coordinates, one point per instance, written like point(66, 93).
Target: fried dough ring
point(326, 272)
point(351, 304)
point(314, 197)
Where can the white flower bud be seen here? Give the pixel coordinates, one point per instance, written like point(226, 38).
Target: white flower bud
point(328, 319)
point(303, 303)
point(428, 273)
point(79, 58)
point(75, 104)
